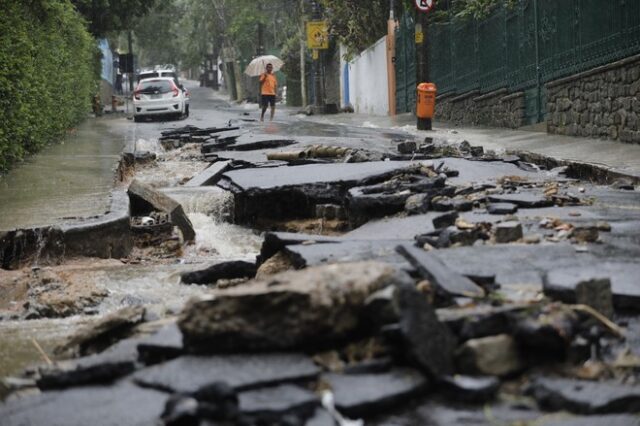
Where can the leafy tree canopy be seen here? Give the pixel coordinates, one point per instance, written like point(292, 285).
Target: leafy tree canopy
point(104, 16)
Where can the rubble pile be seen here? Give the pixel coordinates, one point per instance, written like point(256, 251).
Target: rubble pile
point(461, 284)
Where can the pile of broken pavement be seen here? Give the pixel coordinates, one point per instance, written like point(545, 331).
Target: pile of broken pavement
point(501, 300)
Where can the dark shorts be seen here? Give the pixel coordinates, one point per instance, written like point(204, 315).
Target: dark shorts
point(268, 100)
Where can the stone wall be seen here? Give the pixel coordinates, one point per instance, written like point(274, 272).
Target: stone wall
point(600, 103)
point(495, 109)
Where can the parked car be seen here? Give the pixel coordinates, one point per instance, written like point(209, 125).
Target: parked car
point(159, 96)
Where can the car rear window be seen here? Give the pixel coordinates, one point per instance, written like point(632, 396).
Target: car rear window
point(155, 86)
point(144, 75)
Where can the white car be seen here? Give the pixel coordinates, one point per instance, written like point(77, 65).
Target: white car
point(159, 96)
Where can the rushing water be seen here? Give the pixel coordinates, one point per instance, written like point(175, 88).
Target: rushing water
point(156, 286)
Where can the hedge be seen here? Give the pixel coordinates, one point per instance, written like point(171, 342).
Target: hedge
point(47, 75)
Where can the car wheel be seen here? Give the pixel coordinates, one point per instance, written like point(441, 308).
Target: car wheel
point(186, 112)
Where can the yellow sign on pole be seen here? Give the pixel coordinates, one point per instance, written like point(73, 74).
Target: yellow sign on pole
point(419, 37)
point(315, 54)
point(317, 35)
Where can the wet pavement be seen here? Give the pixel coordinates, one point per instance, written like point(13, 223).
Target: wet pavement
point(442, 285)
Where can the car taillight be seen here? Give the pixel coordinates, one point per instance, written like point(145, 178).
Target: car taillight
point(176, 92)
point(136, 94)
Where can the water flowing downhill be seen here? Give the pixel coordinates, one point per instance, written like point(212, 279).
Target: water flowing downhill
point(155, 286)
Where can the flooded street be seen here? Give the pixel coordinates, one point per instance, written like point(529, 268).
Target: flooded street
point(329, 253)
point(69, 179)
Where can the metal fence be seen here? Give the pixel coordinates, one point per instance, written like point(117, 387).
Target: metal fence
point(534, 42)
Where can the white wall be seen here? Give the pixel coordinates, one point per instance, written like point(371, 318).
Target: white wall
point(368, 84)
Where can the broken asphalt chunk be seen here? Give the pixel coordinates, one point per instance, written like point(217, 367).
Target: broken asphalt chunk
point(188, 374)
point(502, 208)
point(367, 394)
point(87, 405)
point(585, 397)
point(145, 200)
point(561, 283)
point(273, 403)
point(447, 280)
point(225, 270)
point(524, 200)
point(210, 175)
point(428, 343)
point(310, 307)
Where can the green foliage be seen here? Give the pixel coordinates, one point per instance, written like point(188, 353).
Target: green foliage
point(157, 34)
point(47, 74)
point(358, 23)
point(104, 16)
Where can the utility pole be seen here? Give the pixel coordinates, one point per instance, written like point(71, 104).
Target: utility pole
point(130, 46)
point(391, 53)
point(422, 60)
point(303, 62)
point(317, 81)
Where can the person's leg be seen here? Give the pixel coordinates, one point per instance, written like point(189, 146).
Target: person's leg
point(264, 109)
point(273, 107)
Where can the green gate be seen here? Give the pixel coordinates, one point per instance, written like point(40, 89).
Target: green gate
point(522, 47)
point(405, 65)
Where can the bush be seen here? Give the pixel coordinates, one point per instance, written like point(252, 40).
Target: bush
point(47, 74)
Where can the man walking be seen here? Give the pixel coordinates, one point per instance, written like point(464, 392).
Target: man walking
point(268, 90)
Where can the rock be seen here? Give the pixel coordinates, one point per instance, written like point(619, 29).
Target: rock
point(532, 239)
point(470, 389)
point(493, 356)
point(508, 232)
point(417, 204)
point(121, 404)
point(445, 220)
point(225, 270)
point(273, 403)
point(585, 397)
point(445, 204)
point(408, 147)
point(597, 294)
point(585, 233)
point(447, 280)
point(145, 199)
point(524, 200)
point(280, 262)
point(428, 343)
point(98, 336)
point(188, 374)
point(367, 394)
point(477, 151)
point(292, 309)
point(502, 208)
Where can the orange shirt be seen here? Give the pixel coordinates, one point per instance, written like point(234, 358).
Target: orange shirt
point(269, 84)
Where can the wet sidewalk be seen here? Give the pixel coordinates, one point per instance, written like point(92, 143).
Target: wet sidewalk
point(616, 157)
